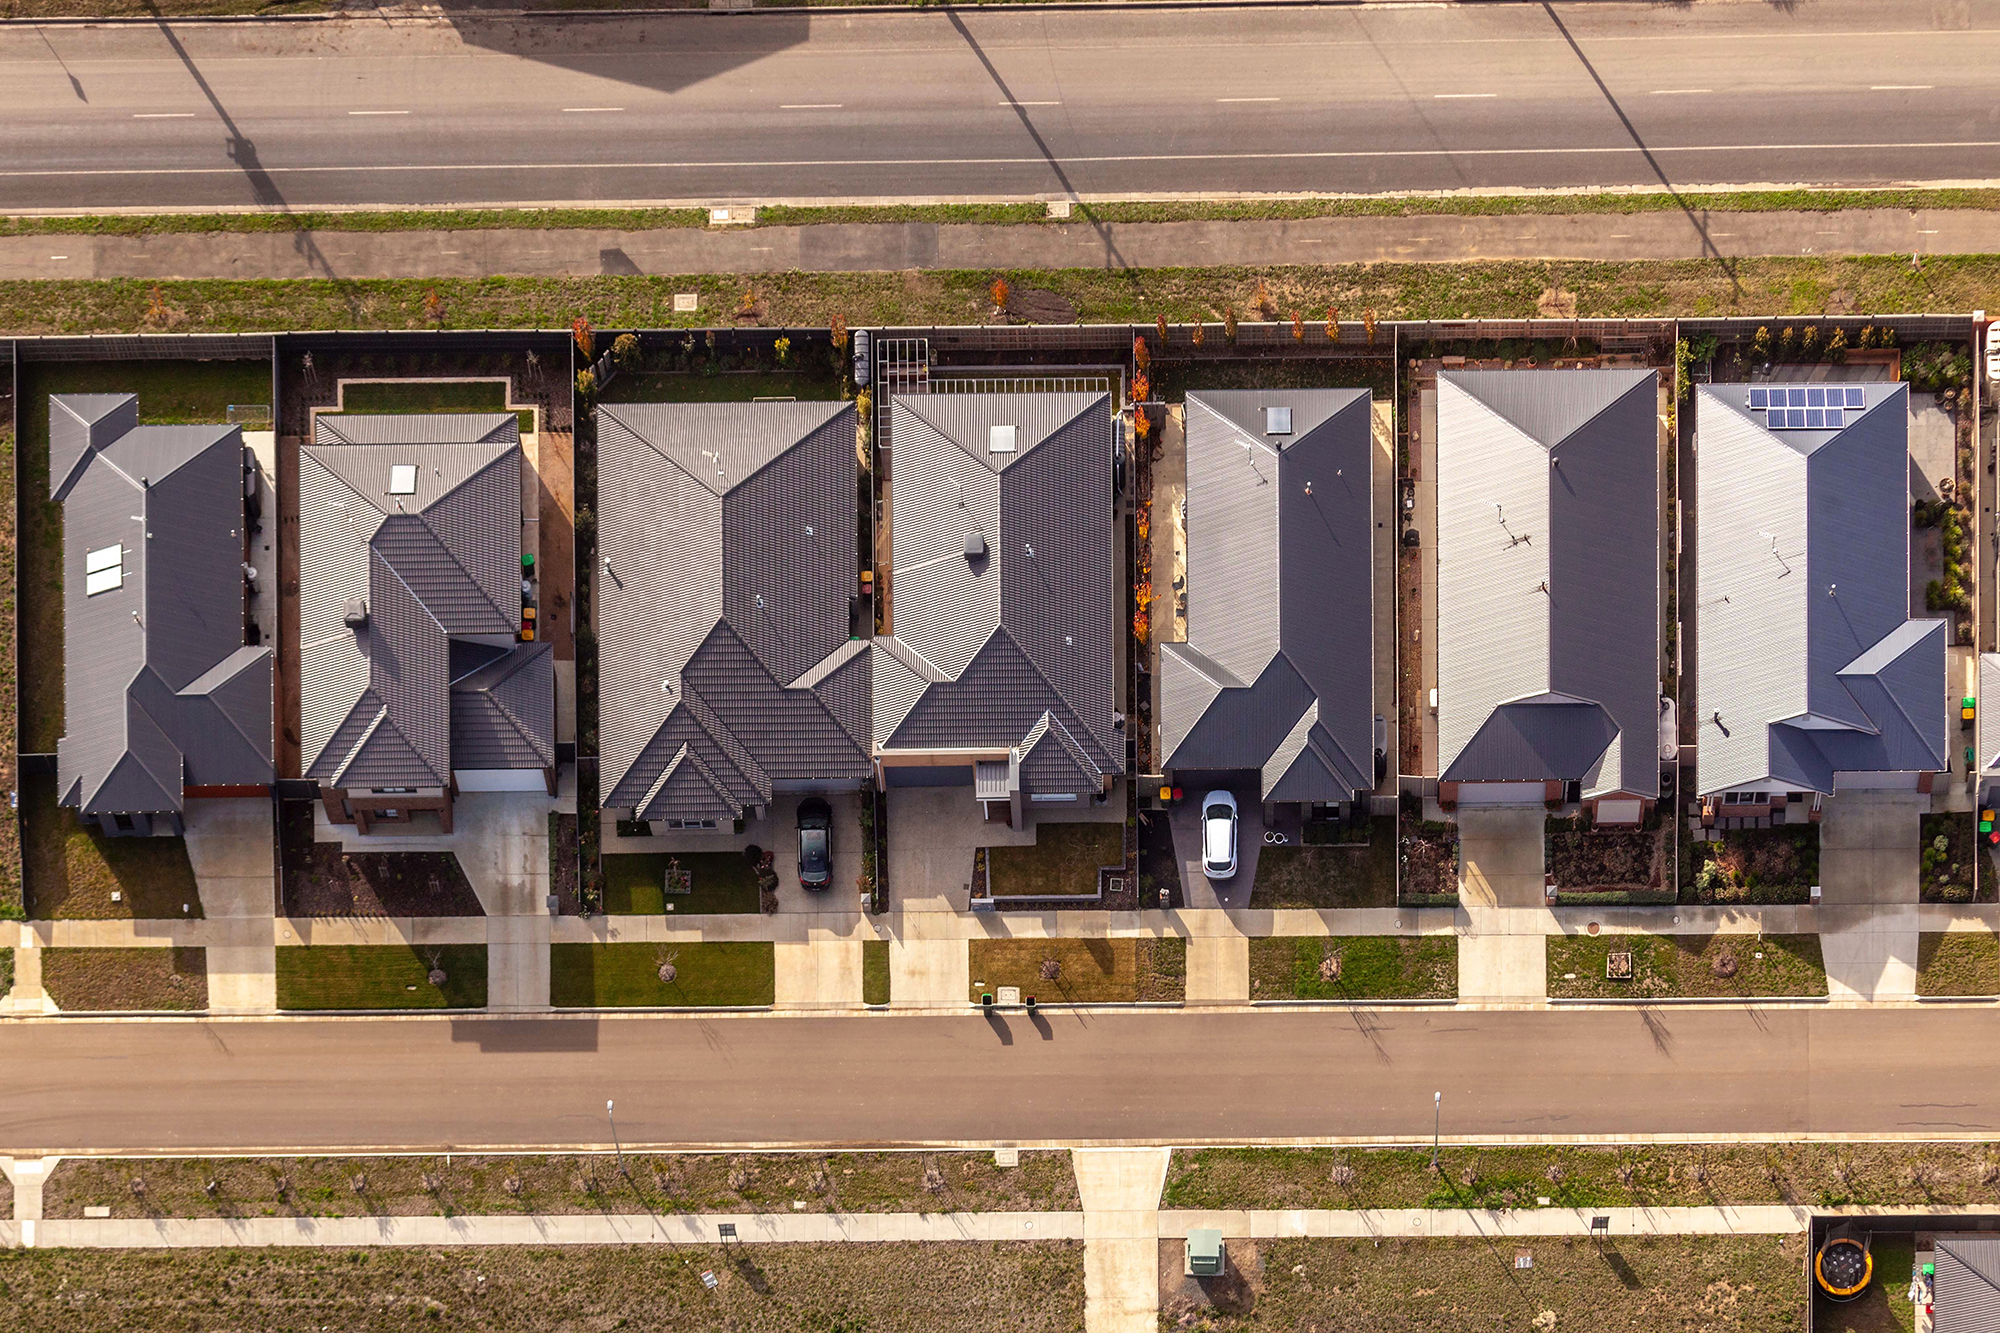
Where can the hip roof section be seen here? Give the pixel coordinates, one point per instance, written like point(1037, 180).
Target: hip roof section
point(1548, 578)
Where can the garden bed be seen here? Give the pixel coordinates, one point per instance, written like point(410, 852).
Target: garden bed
point(563, 852)
point(561, 1184)
point(893, 1287)
point(1087, 971)
point(706, 974)
point(322, 880)
point(71, 871)
point(381, 976)
point(100, 980)
point(1592, 860)
point(720, 883)
point(1946, 847)
point(1062, 862)
point(1773, 865)
point(1958, 962)
point(1686, 965)
point(1354, 967)
point(1358, 874)
point(1821, 1175)
point(1716, 1284)
point(1427, 869)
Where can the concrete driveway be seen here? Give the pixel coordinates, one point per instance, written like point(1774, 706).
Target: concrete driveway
point(1868, 863)
point(1197, 889)
point(1500, 857)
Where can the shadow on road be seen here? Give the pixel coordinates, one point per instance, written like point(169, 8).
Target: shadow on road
point(526, 1036)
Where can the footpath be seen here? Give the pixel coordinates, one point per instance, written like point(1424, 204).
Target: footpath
point(1079, 243)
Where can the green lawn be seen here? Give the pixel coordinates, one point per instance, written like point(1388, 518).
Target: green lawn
point(732, 387)
point(72, 871)
point(1321, 877)
point(875, 971)
point(380, 976)
point(1958, 962)
point(1686, 965)
point(722, 882)
point(1371, 967)
point(1063, 860)
point(431, 396)
point(1088, 971)
point(170, 393)
point(591, 976)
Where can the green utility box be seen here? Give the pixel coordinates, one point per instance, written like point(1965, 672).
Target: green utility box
point(1204, 1253)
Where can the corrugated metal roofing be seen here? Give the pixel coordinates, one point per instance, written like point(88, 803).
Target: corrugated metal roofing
point(724, 610)
point(159, 687)
point(1280, 593)
point(1548, 574)
point(1028, 629)
point(1809, 663)
point(1988, 713)
point(1966, 1286)
point(377, 706)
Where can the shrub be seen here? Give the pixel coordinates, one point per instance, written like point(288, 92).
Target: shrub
point(625, 353)
point(586, 384)
point(1760, 343)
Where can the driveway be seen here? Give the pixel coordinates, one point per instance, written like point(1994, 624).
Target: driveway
point(1868, 860)
point(1197, 889)
point(1500, 857)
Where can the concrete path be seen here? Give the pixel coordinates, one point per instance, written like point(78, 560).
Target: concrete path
point(820, 973)
point(231, 847)
point(1775, 1219)
point(892, 247)
point(1502, 968)
point(1218, 969)
point(1869, 916)
point(924, 974)
point(1120, 1189)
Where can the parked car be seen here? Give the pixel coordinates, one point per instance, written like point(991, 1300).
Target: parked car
point(1218, 835)
point(815, 843)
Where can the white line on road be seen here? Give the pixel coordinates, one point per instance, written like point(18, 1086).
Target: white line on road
point(1246, 99)
point(1030, 104)
point(809, 106)
point(581, 110)
point(378, 113)
point(1678, 92)
point(1460, 97)
point(58, 256)
point(163, 115)
point(1900, 87)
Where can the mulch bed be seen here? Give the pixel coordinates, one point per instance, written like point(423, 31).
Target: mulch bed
point(1773, 865)
point(1946, 870)
point(1585, 859)
point(562, 864)
point(322, 880)
point(1429, 859)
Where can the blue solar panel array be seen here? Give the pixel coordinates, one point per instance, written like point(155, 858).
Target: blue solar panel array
point(1807, 407)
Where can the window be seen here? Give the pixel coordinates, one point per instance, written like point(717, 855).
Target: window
point(103, 570)
point(403, 479)
point(1050, 797)
point(689, 823)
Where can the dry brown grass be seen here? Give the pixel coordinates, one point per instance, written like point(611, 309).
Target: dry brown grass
point(1092, 971)
point(88, 980)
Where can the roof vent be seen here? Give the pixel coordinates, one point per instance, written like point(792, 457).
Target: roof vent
point(357, 612)
point(403, 479)
point(975, 547)
point(1277, 421)
point(1000, 439)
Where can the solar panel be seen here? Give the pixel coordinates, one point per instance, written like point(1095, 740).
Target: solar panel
point(1760, 398)
point(1857, 398)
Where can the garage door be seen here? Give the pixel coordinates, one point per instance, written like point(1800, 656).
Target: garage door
point(1500, 793)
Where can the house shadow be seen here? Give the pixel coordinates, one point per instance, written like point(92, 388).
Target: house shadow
point(656, 52)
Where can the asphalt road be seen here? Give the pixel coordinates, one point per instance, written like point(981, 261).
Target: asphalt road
point(788, 105)
point(434, 1083)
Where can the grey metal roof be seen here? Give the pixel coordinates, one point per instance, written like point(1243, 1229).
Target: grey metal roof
point(723, 615)
point(1277, 673)
point(159, 689)
point(984, 649)
point(1809, 662)
point(1966, 1287)
point(433, 570)
point(1988, 713)
point(1548, 577)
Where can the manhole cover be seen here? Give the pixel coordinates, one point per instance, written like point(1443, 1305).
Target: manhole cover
point(1618, 967)
point(1593, 927)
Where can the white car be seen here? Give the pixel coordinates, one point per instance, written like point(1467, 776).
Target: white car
point(1218, 835)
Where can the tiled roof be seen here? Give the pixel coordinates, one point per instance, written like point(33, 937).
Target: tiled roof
point(159, 689)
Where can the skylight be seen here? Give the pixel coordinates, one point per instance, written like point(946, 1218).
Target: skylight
point(103, 570)
point(1000, 439)
point(403, 479)
point(1277, 421)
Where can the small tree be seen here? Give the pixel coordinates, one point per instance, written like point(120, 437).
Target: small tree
point(838, 332)
point(864, 404)
point(1160, 327)
point(1333, 323)
point(782, 349)
point(433, 307)
point(1368, 323)
point(668, 972)
point(1809, 343)
point(586, 385)
point(1142, 355)
point(1836, 346)
point(1199, 336)
point(1262, 301)
point(436, 975)
point(626, 352)
point(586, 337)
point(999, 291)
point(1229, 323)
point(1760, 343)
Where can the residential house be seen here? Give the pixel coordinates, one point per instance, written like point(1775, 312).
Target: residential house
point(1273, 690)
point(165, 697)
point(1965, 1290)
point(999, 672)
point(417, 675)
point(731, 662)
point(1548, 626)
point(1811, 674)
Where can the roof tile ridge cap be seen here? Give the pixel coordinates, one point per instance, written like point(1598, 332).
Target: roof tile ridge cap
point(930, 671)
point(652, 792)
point(423, 517)
point(847, 650)
point(702, 712)
point(347, 760)
point(513, 720)
point(1054, 693)
point(1069, 743)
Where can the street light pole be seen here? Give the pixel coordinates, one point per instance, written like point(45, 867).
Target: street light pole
point(616, 1146)
point(1437, 1119)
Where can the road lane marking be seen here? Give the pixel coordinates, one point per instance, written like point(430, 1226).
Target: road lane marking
point(1460, 97)
point(1678, 92)
point(582, 110)
point(378, 113)
point(163, 115)
point(1900, 87)
point(809, 106)
point(1246, 99)
point(1029, 104)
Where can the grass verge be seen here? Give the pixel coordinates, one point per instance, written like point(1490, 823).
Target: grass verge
point(1823, 1175)
point(1063, 860)
point(1354, 967)
point(98, 980)
point(461, 1185)
point(1719, 1284)
point(1018, 214)
point(1033, 1286)
point(721, 882)
point(381, 976)
point(1503, 290)
point(1686, 965)
point(1958, 962)
point(1321, 877)
point(73, 871)
point(589, 976)
point(1087, 971)
point(875, 971)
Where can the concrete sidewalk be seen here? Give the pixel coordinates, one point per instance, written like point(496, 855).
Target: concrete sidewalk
point(892, 247)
